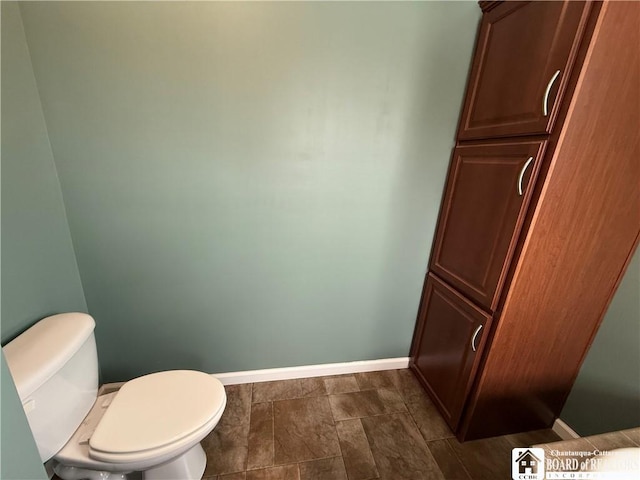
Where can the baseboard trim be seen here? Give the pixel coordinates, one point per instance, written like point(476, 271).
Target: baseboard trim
point(306, 371)
point(564, 431)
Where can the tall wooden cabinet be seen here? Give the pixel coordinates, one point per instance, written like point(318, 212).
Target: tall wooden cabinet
point(540, 213)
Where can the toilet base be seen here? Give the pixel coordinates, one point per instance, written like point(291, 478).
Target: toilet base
point(67, 472)
point(188, 466)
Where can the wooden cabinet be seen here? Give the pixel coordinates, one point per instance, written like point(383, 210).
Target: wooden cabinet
point(524, 55)
point(487, 193)
point(535, 271)
point(448, 345)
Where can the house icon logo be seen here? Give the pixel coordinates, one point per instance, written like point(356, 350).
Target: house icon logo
point(527, 464)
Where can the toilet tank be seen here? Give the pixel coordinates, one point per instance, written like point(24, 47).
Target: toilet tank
point(54, 365)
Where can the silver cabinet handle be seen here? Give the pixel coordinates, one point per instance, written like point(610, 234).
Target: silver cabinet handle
point(473, 340)
point(545, 101)
point(521, 176)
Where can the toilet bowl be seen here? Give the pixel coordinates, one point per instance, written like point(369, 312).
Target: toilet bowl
point(148, 425)
point(153, 424)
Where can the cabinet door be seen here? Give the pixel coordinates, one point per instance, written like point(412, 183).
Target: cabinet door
point(523, 57)
point(483, 208)
point(446, 350)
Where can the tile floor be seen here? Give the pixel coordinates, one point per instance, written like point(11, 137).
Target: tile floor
point(378, 425)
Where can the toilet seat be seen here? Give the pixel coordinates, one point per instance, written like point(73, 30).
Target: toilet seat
point(180, 393)
point(157, 413)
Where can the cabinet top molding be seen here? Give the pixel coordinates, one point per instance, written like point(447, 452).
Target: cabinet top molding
point(486, 5)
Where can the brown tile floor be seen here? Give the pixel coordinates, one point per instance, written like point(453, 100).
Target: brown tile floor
point(378, 425)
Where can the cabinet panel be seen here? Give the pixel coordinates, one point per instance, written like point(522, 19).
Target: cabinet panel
point(583, 234)
point(523, 58)
point(487, 193)
point(446, 349)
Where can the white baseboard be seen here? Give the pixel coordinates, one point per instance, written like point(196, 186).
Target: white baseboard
point(306, 371)
point(564, 431)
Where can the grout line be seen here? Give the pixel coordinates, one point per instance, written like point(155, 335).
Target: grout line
point(433, 458)
point(280, 465)
point(464, 465)
point(373, 457)
point(340, 445)
point(273, 434)
point(344, 465)
point(437, 439)
point(246, 460)
point(629, 438)
point(297, 462)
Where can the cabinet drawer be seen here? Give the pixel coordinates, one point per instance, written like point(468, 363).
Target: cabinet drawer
point(524, 54)
point(487, 194)
point(446, 350)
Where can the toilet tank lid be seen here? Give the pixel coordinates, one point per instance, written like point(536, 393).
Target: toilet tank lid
point(35, 355)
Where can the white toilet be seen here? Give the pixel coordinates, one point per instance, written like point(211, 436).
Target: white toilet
point(153, 424)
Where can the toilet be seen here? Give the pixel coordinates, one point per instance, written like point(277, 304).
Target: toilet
point(153, 424)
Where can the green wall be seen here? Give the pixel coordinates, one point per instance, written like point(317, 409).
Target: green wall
point(19, 456)
point(250, 185)
point(606, 394)
point(39, 272)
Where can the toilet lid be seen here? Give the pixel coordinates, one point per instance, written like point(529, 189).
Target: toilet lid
point(156, 410)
